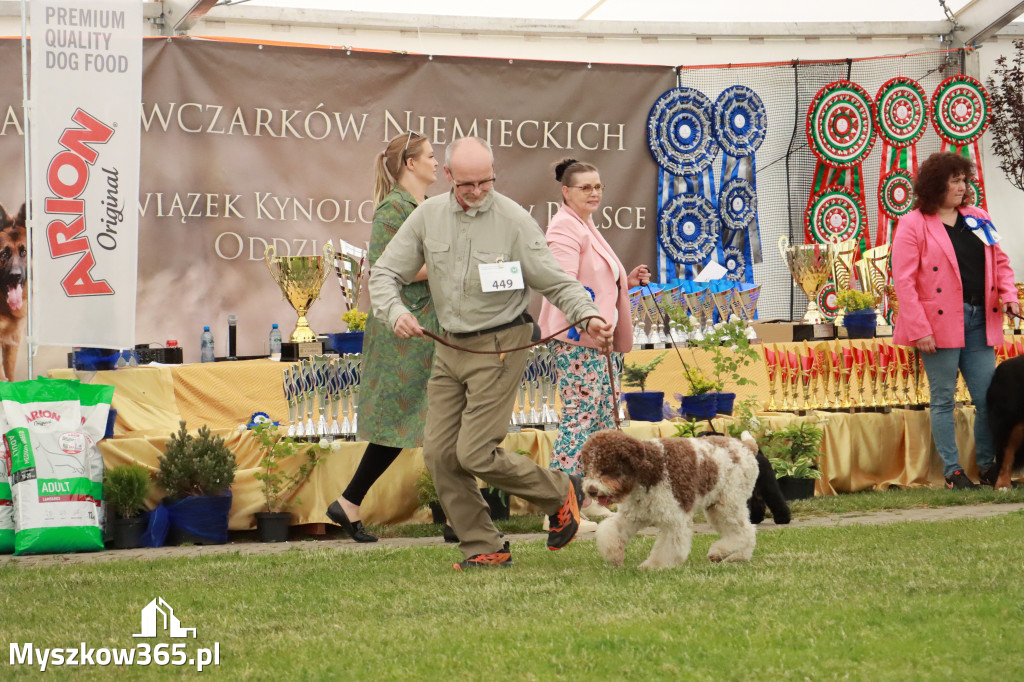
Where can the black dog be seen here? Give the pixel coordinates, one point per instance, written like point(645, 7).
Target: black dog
point(1006, 420)
point(767, 494)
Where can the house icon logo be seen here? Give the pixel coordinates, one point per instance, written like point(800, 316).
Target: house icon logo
point(160, 611)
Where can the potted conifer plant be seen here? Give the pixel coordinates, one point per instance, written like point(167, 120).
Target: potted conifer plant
point(275, 450)
point(643, 405)
point(197, 473)
point(125, 490)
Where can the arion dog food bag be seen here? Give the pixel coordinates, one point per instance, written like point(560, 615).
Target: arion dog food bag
point(50, 442)
point(6, 505)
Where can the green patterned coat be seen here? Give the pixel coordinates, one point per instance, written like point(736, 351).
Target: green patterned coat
point(393, 387)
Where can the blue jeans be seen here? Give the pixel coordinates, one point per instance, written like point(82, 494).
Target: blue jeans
point(977, 361)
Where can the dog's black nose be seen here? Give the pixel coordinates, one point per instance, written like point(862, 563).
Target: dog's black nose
point(592, 491)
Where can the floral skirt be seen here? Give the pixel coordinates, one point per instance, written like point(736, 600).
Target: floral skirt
point(586, 402)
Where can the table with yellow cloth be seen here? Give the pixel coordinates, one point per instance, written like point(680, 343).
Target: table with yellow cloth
point(861, 451)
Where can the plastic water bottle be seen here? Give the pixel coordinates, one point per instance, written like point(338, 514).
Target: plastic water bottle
point(275, 343)
point(206, 346)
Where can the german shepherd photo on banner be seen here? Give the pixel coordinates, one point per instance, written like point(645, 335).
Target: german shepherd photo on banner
point(13, 280)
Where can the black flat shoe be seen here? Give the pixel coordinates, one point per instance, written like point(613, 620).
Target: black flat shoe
point(355, 530)
point(449, 534)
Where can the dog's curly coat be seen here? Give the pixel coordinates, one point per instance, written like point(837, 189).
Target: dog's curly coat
point(662, 482)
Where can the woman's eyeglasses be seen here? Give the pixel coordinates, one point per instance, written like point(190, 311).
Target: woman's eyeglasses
point(588, 189)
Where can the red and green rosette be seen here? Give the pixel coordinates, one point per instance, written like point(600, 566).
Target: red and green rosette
point(841, 132)
point(901, 115)
point(960, 116)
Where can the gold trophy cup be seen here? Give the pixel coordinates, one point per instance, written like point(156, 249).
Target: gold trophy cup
point(809, 265)
point(300, 279)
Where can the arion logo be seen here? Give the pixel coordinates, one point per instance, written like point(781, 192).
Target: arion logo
point(158, 611)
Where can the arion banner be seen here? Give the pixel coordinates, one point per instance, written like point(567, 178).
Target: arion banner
point(245, 145)
point(86, 88)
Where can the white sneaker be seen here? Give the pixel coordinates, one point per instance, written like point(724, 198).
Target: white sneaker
point(587, 526)
point(596, 511)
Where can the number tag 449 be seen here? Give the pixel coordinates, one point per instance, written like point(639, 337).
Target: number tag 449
point(501, 276)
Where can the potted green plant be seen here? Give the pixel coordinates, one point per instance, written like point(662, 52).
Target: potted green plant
point(730, 353)
point(350, 341)
point(702, 400)
point(197, 473)
point(859, 317)
point(643, 405)
point(427, 496)
point(275, 450)
point(125, 490)
point(794, 452)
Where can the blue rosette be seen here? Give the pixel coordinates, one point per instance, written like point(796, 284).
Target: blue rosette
point(688, 228)
point(740, 121)
point(679, 131)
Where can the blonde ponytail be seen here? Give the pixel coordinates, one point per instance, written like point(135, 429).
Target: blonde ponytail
point(390, 163)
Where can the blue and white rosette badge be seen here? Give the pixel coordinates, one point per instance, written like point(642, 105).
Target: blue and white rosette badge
point(740, 124)
point(679, 134)
point(982, 229)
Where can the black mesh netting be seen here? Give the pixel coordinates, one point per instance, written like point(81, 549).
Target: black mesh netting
point(785, 164)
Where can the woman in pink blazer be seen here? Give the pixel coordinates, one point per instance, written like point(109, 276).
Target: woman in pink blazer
point(952, 283)
point(584, 254)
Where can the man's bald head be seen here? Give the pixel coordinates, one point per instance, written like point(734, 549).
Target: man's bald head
point(469, 166)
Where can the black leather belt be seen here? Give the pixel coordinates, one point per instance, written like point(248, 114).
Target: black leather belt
point(974, 299)
point(522, 318)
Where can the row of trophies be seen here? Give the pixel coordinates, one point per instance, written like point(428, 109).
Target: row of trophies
point(649, 328)
point(323, 387)
point(847, 377)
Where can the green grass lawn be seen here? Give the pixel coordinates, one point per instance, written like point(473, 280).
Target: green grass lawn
point(908, 601)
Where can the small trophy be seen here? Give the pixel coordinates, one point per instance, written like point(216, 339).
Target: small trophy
point(745, 303)
point(693, 303)
point(784, 379)
point(723, 301)
point(309, 386)
point(298, 383)
point(809, 265)
point(636, 315)
point(707, 304)
point(873, 271)
point(891, 305)
point(841, 255)
point(289, 396)
point(334, 395)
point(300, 279)
point(771, 369)
point(348, 264)
point(319, 363)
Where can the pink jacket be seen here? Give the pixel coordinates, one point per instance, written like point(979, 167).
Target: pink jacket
point(575, 245)
point(928, 287)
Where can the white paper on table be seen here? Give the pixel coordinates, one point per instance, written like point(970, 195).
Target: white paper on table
point(713, 270)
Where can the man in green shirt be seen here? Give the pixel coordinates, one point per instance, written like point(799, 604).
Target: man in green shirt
point(483, 254)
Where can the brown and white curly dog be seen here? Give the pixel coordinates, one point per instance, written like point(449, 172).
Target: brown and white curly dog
point(662, 482)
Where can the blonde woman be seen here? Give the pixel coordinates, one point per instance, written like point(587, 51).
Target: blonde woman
point(393, 387)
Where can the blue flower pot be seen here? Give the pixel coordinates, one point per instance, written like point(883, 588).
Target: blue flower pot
point(94, 359)
point(346, 342)
point(725, 402)
point(860, 324)
point(646, 406)
point(702, 406)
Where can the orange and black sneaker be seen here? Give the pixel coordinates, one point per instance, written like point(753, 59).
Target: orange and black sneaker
point(503, 557)
point(564, 523)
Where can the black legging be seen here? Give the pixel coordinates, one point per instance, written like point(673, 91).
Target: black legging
point(376, 459)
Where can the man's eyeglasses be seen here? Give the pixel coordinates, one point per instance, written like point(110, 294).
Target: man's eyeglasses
point(481, 184)
point(587, 189)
